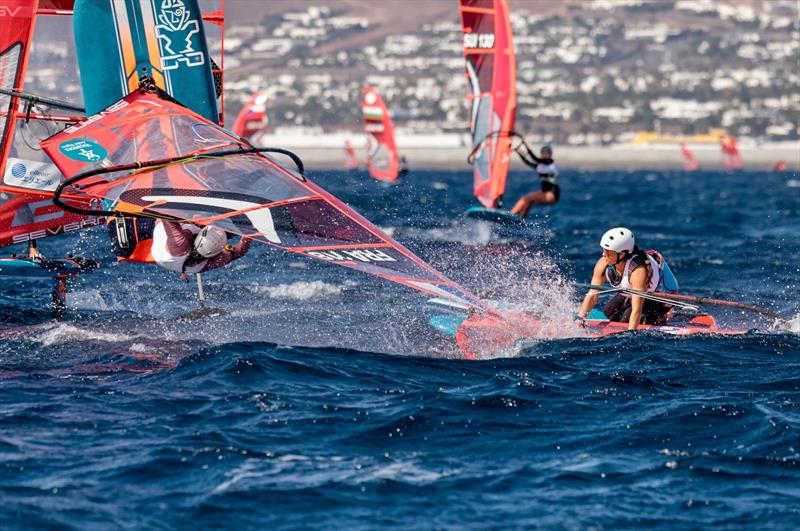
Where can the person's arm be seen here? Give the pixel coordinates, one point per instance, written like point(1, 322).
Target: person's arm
point(598, 279)
point(530, 159)
point(179, 240)
point(229, 255)
point(241, 248)
point(638, 282)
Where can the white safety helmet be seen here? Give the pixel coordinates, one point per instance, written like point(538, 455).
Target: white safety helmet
point(210, 241)
point(618, 239)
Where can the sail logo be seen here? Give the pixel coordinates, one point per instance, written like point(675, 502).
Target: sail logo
point(243, 207)
point(121, 104)
point(6, 11)
point(479, 40)
point(83, 150)
point(30, 174)
point(176, 31)
point(60, 229)
point(362, 255)
point(19, 170)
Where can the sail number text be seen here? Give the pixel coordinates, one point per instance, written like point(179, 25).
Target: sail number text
point(479, 40)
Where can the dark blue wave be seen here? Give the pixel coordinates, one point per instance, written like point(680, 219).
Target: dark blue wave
point(334, 404)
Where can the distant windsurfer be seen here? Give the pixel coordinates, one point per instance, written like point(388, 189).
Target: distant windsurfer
point(181, 247)
point(625, 265)
point(402, 167)
point(548, 175)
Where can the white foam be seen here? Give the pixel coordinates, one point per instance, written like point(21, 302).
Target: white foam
point(303, 291)
point(91, 299)
point(793, 325)
point(477, 233)
point(793, 183)
point(406, 471)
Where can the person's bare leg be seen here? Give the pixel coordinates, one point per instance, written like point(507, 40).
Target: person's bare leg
point(523, 206)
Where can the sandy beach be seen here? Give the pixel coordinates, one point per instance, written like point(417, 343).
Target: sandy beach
point(429, 152)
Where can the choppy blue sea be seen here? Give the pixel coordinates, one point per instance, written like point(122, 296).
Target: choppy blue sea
point(325, 400)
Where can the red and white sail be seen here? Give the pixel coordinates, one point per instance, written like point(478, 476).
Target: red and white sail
point(731, 158)
point(252, 119)
point(16, 35)
point(27, 177)
point(491, 73)
point(690, 163)
point(152, 157)
point(26, 217)
point(382, 158)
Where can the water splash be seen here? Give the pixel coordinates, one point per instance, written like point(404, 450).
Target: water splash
point(303, 291)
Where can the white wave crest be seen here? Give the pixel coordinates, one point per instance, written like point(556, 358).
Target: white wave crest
point(62, 333)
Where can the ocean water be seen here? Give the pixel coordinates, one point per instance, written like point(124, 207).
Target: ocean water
point(324, 399)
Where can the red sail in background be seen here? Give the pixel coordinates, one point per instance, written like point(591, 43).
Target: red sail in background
point(731, 159)
point(382, 158)
point(691, 162)
point(16, 32)
point(27, 178)
point(217, 181)
point(350, 156)
point(492, 75)
point(252, 118)
point(30, 118)
point(25, 217)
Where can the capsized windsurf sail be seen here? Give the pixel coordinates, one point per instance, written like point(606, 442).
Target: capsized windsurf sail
point(382, 158)
point(252, 119)
point(155, 158)
point(691, 162)
point(491, 72)
point(485, 336)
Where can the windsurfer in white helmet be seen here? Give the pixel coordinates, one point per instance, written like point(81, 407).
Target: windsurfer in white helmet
point(186, 248)
point(625, 265)
point(547, 171)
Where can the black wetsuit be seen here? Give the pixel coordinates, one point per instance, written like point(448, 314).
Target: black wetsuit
point(620, 306)
point(126, 233)
point(545, 168)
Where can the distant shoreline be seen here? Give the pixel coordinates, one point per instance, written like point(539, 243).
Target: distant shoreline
point(621, 157)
